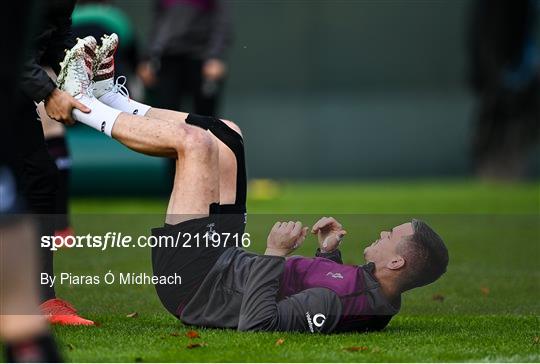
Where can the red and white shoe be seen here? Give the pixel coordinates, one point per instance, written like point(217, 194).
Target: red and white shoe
point(76, 70)
point(104, 65)
point(108, 91)
point(60, 312)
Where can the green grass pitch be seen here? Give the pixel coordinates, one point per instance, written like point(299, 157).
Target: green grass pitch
point(486, 308)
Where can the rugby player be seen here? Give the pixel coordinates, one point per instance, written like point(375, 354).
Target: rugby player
point(226, 286)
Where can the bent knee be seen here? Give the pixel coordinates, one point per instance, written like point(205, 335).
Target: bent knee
point(196, 141)
point(233, 126)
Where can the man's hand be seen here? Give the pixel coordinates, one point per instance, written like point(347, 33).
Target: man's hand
point(285, 237)
point(214, 69)
point(59, 105)
point(330, 233)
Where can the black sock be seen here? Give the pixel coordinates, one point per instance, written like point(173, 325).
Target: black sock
point(40, 349)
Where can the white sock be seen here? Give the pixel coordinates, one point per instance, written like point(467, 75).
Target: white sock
point(118, 101)
point(101, 118)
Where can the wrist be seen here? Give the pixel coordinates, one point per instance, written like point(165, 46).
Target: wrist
point(55, 92)
point(327, 250)
point(276, 252)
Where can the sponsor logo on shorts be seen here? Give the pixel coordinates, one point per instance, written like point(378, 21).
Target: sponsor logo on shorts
point(103, 125)
point(317, 321)
point(135, 112)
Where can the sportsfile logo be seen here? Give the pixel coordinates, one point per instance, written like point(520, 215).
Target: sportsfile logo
point(317, 321)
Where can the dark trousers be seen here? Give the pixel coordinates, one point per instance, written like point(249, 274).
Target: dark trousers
point(507, 127)
point(180, 78)
point(38, 177)
point(59, 152)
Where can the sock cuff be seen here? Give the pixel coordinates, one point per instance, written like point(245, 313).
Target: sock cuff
point(107, 125)
point(101, 118)
point(124, 103)
point(139, 108)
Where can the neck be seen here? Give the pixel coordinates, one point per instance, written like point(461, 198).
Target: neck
point(388, 286)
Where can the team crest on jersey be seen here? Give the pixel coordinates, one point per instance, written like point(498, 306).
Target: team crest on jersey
point(334, 275)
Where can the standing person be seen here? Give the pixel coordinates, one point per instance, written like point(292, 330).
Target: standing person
point(186, 53)
point(23, 332)
point(505, 75)
point(34, 166)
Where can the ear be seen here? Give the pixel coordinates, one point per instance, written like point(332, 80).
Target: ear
point(396, 262)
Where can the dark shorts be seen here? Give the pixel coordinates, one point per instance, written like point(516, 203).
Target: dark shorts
point(189, 260)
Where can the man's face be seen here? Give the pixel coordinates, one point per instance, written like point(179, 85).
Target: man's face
point(383, 250)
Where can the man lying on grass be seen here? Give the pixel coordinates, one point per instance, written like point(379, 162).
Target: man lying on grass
point(223, 285)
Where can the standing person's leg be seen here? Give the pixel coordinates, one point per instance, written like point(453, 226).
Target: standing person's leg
point(39, 177)
point(21, 326)
point(58, 150)
point(206, 92)
point(167, 94)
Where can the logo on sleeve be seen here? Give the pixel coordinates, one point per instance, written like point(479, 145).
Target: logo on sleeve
point(317, 321)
